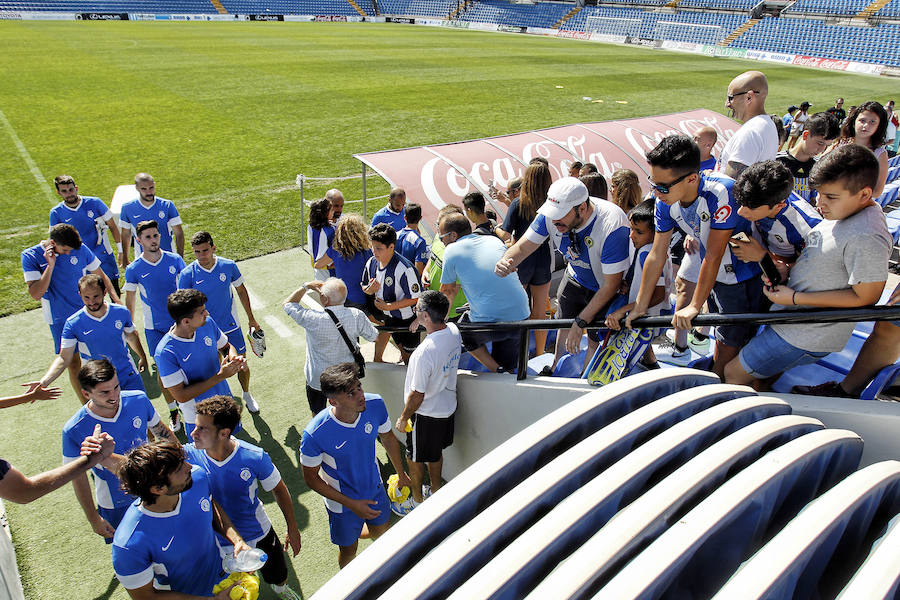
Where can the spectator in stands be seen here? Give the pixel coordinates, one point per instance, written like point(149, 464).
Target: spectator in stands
point(706, 138)
point(593, 237)
point(575, 168)
point(336, 198)
point(596, 185)
point(410, 243)
point(533, 271)
point(469, 263)
point(511, 193)
point(757, 139)
point(320, 233)
point(539, 159)
point(781, 218)
point(821, 130)
point(701, 205)
point(843, 265)
point(626, 189)
point(324, 344)
point(881, 349)
point(782, 132)
point(799, 123)
point(150, 207)
point(890, 136)
point(837, 111)
point(788, 117)
point(866, 125)
point(394, 213)
point(473, 205)
point(348, 254)
point(587, 169)
point(431, 278)
point(394, 283)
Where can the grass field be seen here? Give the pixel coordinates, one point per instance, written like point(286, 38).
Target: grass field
point(224, 115)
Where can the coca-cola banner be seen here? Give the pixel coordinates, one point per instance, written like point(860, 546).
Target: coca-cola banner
point(436, 175)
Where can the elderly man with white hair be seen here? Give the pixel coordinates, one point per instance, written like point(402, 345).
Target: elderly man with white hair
point(325, 346)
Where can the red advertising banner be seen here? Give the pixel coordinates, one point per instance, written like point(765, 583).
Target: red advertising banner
point(436, 175)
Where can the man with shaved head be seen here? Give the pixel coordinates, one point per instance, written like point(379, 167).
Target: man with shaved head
point(336, 198)
point(706, 138)
point(394, 214)
point(757, 139)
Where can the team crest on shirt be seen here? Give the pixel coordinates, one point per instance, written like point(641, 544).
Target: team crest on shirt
point(162, 215)
point(245, 474)
point(118, 324)
point(704, 216)
point(368, 428)
point(204, 505)
point(136, 422)
point(388, 281)
point(207, 340)
point(779, 238)
point(222, 277)
point(91, 214)
point(172, 269)
point(73, 260)
point(414, 287)
point(589, 242)
point(722, 214)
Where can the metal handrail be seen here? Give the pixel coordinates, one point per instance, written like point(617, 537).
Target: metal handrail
point(783, 317)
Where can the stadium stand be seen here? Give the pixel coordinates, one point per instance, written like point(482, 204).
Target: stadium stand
point(418, 8)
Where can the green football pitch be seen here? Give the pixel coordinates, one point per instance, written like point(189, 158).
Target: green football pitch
point(224, 115)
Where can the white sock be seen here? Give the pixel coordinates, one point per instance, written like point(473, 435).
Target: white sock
point(172, 406)
point(246, 395)
point(277, 588)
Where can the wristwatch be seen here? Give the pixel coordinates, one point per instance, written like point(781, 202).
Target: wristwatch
point(581, 322)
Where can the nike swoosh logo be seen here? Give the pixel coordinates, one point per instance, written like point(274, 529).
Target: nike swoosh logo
point(144, 275)
point(69, 219)
point(187, 357)
point(341, 446)
point(166, 547)
point(199, 281)
point(88, 331)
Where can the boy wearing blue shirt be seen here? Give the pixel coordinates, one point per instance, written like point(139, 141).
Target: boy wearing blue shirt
point(215, 276)
point(150, 207)
point(91, 217)
point(410, 243)
point(54, 282)
point(394, 213)
point(236, 471)
point(125, 415)
point(337, 454)
point(188, 356)
point(843, 265)
point(701, 205)
point(100, 330)
point(167, 540)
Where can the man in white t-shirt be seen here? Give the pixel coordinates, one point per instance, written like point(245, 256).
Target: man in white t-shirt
point(757, 139)
point(430, 392)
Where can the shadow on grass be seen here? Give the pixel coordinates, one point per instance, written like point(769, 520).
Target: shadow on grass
point(113, 584)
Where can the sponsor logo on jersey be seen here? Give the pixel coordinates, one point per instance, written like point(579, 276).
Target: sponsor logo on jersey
point(722, 214)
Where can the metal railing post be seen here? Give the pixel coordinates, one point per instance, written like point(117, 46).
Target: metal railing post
point(522, 369)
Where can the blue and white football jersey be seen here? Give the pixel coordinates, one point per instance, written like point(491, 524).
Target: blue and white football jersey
point(89, 217)
point(345, 452)
point(162, 211)
point(190, 361)
point(714, 208)
point(154, 282)
point(666, 279)
point(412, 246)
point(601, 245)
point(128, 428)
point(320, 239)
point(216, 284)
point(235, 484)
point(397, 220)
point(785, 234)
point(399, 280)
point(101, 338)
point(177, 549)
point(61, 299)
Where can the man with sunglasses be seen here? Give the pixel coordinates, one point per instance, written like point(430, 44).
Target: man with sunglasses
point(757, 139)
point(593, 238)
point(702, 206)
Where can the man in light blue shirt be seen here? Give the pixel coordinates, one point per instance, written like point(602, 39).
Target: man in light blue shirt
point(150, 207)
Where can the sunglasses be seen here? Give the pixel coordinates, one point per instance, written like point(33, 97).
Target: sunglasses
point(733, 96)
point(665, 188)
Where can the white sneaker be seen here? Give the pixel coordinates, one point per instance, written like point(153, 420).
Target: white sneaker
point(426, 491)
point(252, 405)
point(257, 341)
point(698, 344)
point(667, 352)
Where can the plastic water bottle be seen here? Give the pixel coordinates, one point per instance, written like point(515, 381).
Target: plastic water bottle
point(246, 561)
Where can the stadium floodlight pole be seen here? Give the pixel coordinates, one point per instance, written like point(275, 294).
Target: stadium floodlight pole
point(300, 181)
point(365, 211)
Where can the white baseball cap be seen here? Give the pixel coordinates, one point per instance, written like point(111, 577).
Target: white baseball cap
point(564, 194)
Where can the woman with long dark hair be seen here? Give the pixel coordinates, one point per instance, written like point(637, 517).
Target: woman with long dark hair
point(319, 234)
point(866, 125)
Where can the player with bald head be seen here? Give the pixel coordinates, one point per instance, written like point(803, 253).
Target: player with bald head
point(757, 139)
point(336, 198)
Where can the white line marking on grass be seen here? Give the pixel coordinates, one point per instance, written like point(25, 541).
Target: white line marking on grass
point(26, 156)
point(280, 328)
point(255, 302)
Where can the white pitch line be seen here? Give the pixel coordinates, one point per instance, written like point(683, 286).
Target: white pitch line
point(26, 156)
point(280, 328)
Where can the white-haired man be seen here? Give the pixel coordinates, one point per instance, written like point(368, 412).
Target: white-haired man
point(325, 345)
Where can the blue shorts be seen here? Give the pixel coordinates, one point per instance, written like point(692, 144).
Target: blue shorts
point(129, 379)
point(346, 526)
point(768, 354)
point(154, 337)
point(109, 266)
point(743, 297)
point(56, 333)
point(113, 516)
point(236, 339)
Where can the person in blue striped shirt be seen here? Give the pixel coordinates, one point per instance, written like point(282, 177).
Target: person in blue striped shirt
point(410, 243)
point(320, 234)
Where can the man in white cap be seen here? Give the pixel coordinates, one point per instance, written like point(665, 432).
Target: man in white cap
point(593, 238)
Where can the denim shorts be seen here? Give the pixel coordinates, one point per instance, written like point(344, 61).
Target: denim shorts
point(768, 354)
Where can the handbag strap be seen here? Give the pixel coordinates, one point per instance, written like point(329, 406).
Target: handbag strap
point(340, 327)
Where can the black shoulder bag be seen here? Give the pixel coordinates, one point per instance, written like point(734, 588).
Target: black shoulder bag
point(354, 349)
